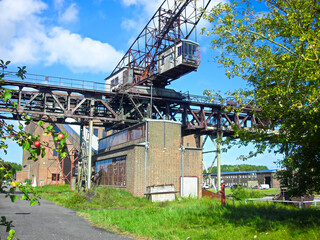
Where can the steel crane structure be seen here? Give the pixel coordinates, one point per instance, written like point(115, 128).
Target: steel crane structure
point(165, 40)
point(136, 89)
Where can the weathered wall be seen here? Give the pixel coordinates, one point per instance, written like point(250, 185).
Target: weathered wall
point(163, 158)
point(43, 168)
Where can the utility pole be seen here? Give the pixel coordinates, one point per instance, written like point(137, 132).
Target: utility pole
point(219, 137)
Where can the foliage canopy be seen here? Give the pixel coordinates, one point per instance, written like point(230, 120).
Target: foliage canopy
point(276, 49)
point(236, 168)
point(26, 141)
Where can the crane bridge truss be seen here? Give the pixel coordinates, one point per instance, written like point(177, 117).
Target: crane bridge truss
point(57, 100)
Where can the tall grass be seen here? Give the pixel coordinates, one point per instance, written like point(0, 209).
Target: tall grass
point(242, 193)
point(119, 211)
point(206, 219)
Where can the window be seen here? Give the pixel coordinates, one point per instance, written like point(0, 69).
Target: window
point(56, 129)
point(55, 153)
point(96, 132)
point(112, 171)
point(55, 176)
point(104, 133)
point(162, 60)
point(114, 82)
point(121, 137)
point(179, 51)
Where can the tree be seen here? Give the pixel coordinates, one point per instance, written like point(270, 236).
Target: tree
point(277, 51)
point(16, 166)
point(236, 168)
point(26, 141)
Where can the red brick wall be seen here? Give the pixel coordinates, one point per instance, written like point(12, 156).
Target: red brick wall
point(43, 168)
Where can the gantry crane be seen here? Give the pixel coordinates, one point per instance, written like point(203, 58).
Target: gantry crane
point(163, 50)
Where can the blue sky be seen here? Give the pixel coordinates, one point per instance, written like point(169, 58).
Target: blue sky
point(86, 39)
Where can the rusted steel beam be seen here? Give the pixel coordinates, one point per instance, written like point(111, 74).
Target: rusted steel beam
point(196, 114)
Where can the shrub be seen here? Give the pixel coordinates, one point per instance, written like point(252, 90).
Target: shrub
point(243, 193)
point(28, 182)
point(76, 199)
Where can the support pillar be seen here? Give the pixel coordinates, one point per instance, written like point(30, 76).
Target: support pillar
point(90, 153)
point(80, 159)
point(219, 136)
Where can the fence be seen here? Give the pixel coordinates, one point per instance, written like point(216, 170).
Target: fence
point(301, 203)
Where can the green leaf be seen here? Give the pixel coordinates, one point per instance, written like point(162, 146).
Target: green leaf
point(63, 154)
point(40, 123)
point(14, 198)
point(43, 152)
point(23, 197)
point(33, 202)
point(26, 145)
point(50, 127)
point(11, 233)
point(7, 96)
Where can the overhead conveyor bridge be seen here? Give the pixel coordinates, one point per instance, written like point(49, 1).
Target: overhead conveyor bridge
point(54, 99)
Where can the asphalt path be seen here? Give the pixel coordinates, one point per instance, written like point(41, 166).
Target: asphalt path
point(49, 221)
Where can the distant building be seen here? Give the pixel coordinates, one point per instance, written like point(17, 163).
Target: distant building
point(244, 178)
point(51, 169)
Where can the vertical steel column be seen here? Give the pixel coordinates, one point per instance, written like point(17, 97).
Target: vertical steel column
point(90, 152)
point(219, 136)
point(90, 144)
point(80, 159)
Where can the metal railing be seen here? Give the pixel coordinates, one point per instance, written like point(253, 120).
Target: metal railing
point(56, 81)
point(229, 101)
point(301, 203)
point(102, 87)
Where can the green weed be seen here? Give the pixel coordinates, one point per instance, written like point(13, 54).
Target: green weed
point(243, 193)
point(119, 211)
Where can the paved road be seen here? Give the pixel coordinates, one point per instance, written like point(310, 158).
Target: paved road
point(49, 221)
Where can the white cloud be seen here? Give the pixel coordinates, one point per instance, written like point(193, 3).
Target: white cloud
point(78, 53)
point(58, 4)
point(129, 24)
point(70, 14)
point(23, 29)
point(29, 40)
point(148, 8)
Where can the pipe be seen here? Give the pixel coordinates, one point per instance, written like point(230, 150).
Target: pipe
point(219, 135)
point(146, 158)
point(182, 169)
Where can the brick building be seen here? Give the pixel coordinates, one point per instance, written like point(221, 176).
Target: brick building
point(244, 178)
point(51, 169)
point(152, 153)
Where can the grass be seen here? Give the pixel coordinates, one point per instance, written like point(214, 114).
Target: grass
point(265, 192)
point(119, 211)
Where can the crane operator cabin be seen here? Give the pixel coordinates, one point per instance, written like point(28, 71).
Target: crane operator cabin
point(172, 63)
